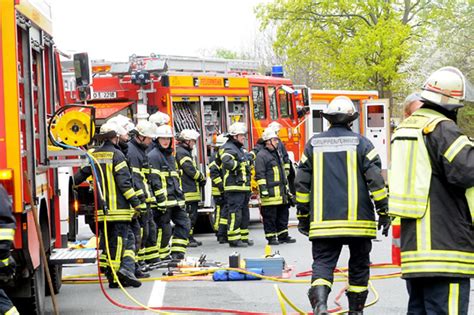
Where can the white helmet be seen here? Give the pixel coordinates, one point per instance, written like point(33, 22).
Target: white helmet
point(146, 129)
point(237, 128)
point(159, 118)
point(164, 131)
point(123, 121)
point(112, 127)
point(221, 140)
point(275, 126)
point(341, 110)
point(188, 134)
point(446, 87)
point(268, 134)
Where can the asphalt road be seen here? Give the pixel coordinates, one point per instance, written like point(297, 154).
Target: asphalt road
point(255, 296)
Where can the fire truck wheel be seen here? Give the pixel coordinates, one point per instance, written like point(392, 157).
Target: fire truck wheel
point(35, 303)
point(56, 272)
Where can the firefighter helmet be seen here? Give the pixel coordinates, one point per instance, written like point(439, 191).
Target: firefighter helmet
point(146, 129)
point(164, 131)
point(237, 128)
point(447, 87)
point(268, 134)
point(159, 118)
point(123, 121)
point(341, 110)
point(112, 128)
point(188, 134)
point(221, 140)
point(275, 126)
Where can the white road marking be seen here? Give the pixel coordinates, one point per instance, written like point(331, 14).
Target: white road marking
point(157, 294)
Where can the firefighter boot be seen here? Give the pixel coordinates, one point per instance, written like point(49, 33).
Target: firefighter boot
point(177, 256)
point(238, 243)
point(128, 278)
point(357, 302)
point(273, 241)
point(318, 297)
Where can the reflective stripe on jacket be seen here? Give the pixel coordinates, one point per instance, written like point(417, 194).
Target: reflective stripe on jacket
point(165, 177)
point(236, 167)
point(438, 240)
point(119, 192)
point(140, 170)
point(190, 174)
point(337, 174)
point(215, 170)
point(271, 178)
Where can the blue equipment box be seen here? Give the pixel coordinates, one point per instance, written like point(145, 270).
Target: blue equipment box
point(270, 266)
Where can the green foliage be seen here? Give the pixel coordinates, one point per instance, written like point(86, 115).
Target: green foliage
point(466, 119)
point(225, 54)
point(351, 44)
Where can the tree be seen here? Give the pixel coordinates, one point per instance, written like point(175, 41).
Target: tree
point(351, 44)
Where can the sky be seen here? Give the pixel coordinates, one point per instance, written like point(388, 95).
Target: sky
point(114, 30)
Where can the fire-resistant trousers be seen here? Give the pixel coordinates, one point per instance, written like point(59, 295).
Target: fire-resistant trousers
point(182, 226)
point(438, 296)
point(192, 210)
point(121, 245)
point(326, 253)
point(149, 250)
point(220, 216)
point(238, 215)
point(275, 221)
point(6, 305)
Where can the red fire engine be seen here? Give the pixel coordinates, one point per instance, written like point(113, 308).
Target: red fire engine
point(36, 179)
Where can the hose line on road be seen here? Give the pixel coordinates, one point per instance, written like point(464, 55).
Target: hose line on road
point(163, 310)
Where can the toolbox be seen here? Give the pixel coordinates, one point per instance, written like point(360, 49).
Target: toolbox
point(271, 266)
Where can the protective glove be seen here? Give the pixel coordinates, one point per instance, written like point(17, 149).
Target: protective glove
point(303, 218)
point(303, 225)
point(7, 272)
point(384, 223)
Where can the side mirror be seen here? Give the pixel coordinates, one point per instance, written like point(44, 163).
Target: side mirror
point(305, 94)
point(82, 69)
point(83, 75)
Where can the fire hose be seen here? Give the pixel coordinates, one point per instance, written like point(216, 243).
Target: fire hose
point(163, 310)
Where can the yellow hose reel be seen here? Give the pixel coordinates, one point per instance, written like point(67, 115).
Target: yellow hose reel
point(74, 128)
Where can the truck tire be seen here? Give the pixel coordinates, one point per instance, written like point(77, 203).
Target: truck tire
point(35, 303)
point(56, 273)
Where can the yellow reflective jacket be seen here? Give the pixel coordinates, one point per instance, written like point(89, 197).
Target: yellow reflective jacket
point(430, 182)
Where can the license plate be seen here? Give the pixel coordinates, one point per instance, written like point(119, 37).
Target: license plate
point(104, 95)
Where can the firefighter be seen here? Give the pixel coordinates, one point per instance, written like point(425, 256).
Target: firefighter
point(337, 175)
point(431, 189)
point(220, 213)
point(159, 119)
point(274, 192)
point(7, 263)
point(119, 197)
point(236, 170)
point(128, 126)
point(192, 179)
point(165, 178)
point(276, 127)
point(411, 104)
point(143, 136)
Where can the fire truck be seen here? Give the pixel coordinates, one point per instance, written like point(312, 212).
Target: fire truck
point(35, 174)
point(207, 95)
point(373, 121)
